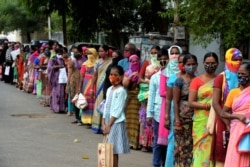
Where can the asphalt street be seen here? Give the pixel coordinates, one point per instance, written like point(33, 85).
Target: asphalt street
point(32, 136)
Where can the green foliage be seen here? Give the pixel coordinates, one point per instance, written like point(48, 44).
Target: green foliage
point(15, 17)
point(208, 19)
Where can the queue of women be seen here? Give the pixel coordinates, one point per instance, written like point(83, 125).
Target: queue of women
point(167, 106)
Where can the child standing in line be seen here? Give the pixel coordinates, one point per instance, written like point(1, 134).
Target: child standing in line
point(113, 122)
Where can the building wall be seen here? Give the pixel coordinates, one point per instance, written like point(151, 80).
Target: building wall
point(200, 52)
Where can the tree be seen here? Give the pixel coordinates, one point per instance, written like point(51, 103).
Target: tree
point(207, 20)
point(16, 17)
point(47, 7)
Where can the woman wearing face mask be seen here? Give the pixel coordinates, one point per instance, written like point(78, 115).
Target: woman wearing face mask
point(87, 72)
point(57, 103)
point(236, 109)
point(154, 108)
point(97, 84)
point(130, 83)
point(223, 83)
point(169, 114)
point(200, 99)
point(184, 113)
point(149, 67)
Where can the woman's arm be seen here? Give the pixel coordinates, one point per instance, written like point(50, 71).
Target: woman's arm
point(192, 100)
point(126, 81)
point(168, 107)
point(176, 98)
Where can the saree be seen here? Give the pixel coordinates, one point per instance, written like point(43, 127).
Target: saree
point(57, 103)
point(87, 112)
point(202, 140)
point(241, 104)
point(100, 68)
point(45, 84)
point(132, 116)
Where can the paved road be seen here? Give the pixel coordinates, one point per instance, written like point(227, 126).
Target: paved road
point(32, 136)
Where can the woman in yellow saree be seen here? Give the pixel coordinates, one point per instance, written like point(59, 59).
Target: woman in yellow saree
point(200, 98)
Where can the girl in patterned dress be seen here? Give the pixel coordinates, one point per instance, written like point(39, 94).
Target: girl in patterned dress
point(113, 120)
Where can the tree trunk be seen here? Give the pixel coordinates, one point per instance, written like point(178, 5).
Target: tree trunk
point(28, 37)
point(64, 28)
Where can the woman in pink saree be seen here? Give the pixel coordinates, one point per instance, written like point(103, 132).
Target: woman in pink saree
point(238, 101)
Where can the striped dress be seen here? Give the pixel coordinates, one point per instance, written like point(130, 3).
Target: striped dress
point(118, 134)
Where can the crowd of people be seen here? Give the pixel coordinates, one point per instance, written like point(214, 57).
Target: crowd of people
point(162, 104)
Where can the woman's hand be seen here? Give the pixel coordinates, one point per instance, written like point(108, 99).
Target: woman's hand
point(149, 121)
point(177, 126)
point(167, 122)
point(242, 118)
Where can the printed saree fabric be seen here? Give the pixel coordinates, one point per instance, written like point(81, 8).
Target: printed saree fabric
point(202, 140)
point(241, 105)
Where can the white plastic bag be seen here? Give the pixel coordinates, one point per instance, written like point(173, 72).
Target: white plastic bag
point(63, 78)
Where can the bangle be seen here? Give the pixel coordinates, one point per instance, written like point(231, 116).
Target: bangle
point(178, 124)
point(207, 106)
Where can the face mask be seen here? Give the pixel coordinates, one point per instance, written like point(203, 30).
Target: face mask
point(181, 67)
point(114, 79)
point(127, 54)
point(153, 60)
point(59, 56)
point(134, 66)
point(209, 68)
point(243, 80)
point(163, 63)
point(190, 69)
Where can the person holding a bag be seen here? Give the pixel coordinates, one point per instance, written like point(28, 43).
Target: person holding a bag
point(57, 103)
point(113, 119)
point(74, 81)
point(200, 99)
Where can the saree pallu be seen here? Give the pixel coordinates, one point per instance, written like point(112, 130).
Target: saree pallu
point(163, 132)
point(241, 105)
point(132, 117)
point(101, 73)
point(201, 138)
point(87, 112)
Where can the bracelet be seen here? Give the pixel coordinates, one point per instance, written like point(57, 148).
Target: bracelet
point(207, 106)
point(178, 124)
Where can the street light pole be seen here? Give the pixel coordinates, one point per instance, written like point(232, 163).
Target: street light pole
point(49, 27)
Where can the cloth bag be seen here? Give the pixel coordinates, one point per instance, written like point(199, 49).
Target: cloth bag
point(63, 78)
point(80, 101)
point(211, 120)
point(105, 153)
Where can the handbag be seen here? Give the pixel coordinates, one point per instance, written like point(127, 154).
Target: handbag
point(211, 120)
point(81, 101)
point(100, 107)
point(63, 78)
point(105, 153)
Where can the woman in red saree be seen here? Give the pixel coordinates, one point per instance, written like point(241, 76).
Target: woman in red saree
point(238, 101)
point(223, 83)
